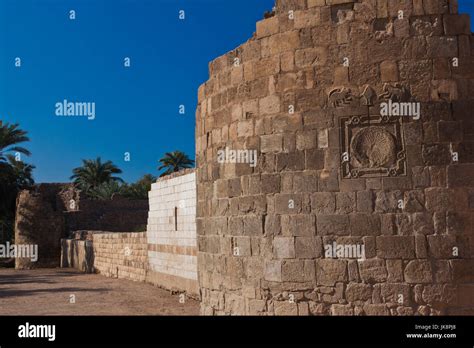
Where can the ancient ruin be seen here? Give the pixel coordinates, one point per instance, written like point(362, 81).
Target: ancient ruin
point(361, 112)
point(49, 212)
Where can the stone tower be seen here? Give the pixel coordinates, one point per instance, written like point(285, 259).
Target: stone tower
point(361, 201)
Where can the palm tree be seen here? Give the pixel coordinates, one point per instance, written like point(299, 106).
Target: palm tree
point(174, 162)
point(14, 174)
point(93, 173)
point(22, 172)
point(139, 189)
point(10, 135)
point(106, 190)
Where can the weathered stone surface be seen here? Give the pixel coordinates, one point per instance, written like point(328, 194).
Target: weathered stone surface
point(285, 308)
point(444, 246)
point(284, 248)
point(358, 292)
point(418, 272)
point(395, 247)
point(344, 310)
point(331, 169)
point(328, 271)
point(373, 271)
point(298, 225)
point(333, 225)
point(323, 203)
point(298, 271)
point(308, 247)
point(376, 309)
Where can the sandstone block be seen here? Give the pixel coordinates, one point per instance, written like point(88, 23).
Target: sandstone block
point(298, 225)
point(308, 247)
point(333, 225)
point(396, 247)
point(442, 246)
point(323, 203)
point(285, 308)
point(461, 175)
point(358, 292)
point(373, 271)
point(284, 247)
point(271, 143)
point(267, 27)
point(342, 310)
point(456, 24)
point(376, 310)
point(364, 224)
point(298, 271)
point(328, 271)
point(273, 271)
point(310, 57)
point(418, 271)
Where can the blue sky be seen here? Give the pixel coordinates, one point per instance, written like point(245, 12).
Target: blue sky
point(137, 108)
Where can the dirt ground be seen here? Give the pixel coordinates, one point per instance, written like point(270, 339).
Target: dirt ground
point(48, 292)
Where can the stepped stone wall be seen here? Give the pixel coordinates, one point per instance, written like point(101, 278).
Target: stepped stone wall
point(307, 92)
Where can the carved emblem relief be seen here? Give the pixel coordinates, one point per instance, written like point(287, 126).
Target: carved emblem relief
point(341, 97)
point(372, 145)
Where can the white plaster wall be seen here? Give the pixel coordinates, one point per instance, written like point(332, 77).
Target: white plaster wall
point(177, 249)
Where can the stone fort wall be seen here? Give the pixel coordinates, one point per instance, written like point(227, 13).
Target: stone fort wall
point(306, 93)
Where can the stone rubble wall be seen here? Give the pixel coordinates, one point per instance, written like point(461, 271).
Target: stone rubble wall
point(45, 215)
point(262, 231)
point(172, 246)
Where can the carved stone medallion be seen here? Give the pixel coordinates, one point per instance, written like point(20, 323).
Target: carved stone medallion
point(372, 147)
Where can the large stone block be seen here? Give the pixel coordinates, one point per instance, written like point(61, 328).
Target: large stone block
point(308, 247)
point(329, 272)
point(396, 247)
point(418, 271)
point(298, 271)
point(333, 225)
point(284, 247)
point(298, 225)
point(373, 271)
point(358, 292)
point(324, 203)
point(461, 175)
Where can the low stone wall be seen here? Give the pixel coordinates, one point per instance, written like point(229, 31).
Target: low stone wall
point(121, 255)
point(171, 233)
point(116, 255)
